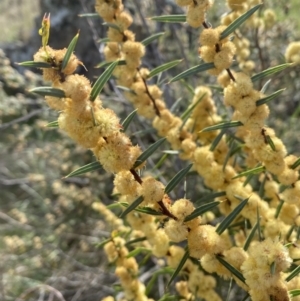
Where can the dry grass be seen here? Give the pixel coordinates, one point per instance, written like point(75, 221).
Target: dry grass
point(17, 19)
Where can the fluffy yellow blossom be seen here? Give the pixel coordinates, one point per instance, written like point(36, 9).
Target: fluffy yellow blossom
point(204, 240)
point(292, 53)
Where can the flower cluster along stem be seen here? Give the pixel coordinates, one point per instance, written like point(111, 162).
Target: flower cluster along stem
point(272, 211)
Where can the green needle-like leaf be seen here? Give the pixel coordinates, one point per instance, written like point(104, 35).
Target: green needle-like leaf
point(48, 91)
point(53, 124)
point(238, 22)
point(210, 197)
point(179, 267)
point(293, 274)
point(170, 18)
point(217, 140)
point(294, 293)
point(35, 64)
point(295, 164)
point(201, 209)
point(222, 125)
point(69, 52)
point(89, 15)
point(163, 68)
point(152, 38)
point(137, 251)
point(270, 142)
point(189, 110)
point(269, 98)
point(253, 171)
point(102, 80)
point(135, 240)
point(132, 206)
point(250, 237)
point(105, 64)
point(231, 217)
point(278, 209)
point(84, 169)
point(273, 268)
point(145, 210)
point(231, 268)
point(177, 178)
point(102, 243)
point(127, 120)
point(151, 283)
point(192, 71)
point(112, 25)
point(148, 152)
point(269, 72)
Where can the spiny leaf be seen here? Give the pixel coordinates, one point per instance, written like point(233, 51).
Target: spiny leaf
point(152, 38)
point(89, 15)
point(48, 91)
point(101, 81)
point(192, 71)
point(105, 64)
point(132, 206)
point(217, 140)
point(112, 25)
point(231, 268)
point(160, 162)
point(250, 237)
point(35, 64)
point(270, 142)
point(278, 208)
point(127, 120)
point(177, 178)
point(144, 132)
point(84, 169)
point(269, 98)
point(133, 241)
point(69, 52)
point(162, 271)
point(294, 293)
point(265, 86)
point(145, 210)
point(188, 111)
point(269, 72)
point(293, 274)
point(238, 22)
point(229, 289)
point(231, 217)
point(179, 267)
point(273, 268)
point(137, 251)
point(103, 243)
point(53, 124)
point(163, 68)
point(188, 87)
point(103, 40)
point(201, 209)
point(125, 89)
point(289, 233)
point(148, 152)
point(175, 105)
point(260, 236)
point(210, 197)
point(295, 164)
point(253, 171)
point(229, 153)
point(171, 152)
point(222, 125)
point(169, 18)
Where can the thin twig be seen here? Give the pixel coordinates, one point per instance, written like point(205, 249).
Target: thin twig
point(21, 119)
